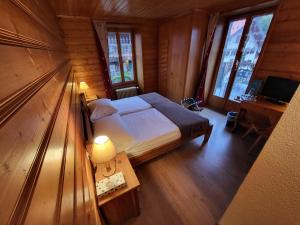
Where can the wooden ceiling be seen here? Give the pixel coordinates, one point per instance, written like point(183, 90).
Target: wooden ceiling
point(154, 9)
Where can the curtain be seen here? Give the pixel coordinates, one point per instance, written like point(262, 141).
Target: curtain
point(102, 46)
point(212, 24)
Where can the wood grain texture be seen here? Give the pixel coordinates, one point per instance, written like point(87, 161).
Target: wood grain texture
point(281, 55)
point(11, 104)
point(163, 49)
point(34, 11)
point(122, 204)
point(176, 36)
point(40, 123)
point(11, 38)
point(79, 37)
point(194, 184)
point(196, 51)
point(80, 40)
point(181, 42)
point(142, 8)
point(123, 165)
point(149, 38)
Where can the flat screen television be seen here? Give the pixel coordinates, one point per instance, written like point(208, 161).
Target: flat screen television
point(279, 89)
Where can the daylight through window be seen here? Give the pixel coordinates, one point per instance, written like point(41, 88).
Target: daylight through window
point(121, 65)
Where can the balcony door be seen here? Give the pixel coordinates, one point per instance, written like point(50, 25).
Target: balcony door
point(243, 43)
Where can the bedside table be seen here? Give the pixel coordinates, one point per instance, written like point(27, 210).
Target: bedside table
point(122, 204)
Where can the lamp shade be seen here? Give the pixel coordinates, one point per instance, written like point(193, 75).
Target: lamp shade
point(83, 86)
point(103, 150)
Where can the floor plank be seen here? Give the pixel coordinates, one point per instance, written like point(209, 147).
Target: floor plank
point(193, 185)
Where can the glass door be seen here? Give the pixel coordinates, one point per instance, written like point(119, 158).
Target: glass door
point(254, 42)
point(232, 43)
point(243, 44)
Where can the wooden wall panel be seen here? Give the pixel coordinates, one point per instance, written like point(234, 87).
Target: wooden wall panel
point(41, 144)
point(164, 32)
point(178, 56)
point(181, 45)
point(149, 34)
point(175, 43)
point(80, 40)
point(282, 53)
point(81, 44)
point(196, 51)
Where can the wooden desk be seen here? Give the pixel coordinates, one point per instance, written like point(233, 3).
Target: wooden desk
point(123, 203)
point(261, 107)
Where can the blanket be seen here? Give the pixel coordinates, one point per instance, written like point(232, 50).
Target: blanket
point(188, 122)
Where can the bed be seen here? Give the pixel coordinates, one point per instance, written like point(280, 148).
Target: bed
point(146, 126)
point(130, 105)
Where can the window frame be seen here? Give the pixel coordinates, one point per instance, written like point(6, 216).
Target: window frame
point(225, 103)
point(123, 83)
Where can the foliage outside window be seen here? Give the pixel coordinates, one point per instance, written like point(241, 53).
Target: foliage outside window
point(121, 64)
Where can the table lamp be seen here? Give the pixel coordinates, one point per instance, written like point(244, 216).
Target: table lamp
point(83, 87)
point(103, 152)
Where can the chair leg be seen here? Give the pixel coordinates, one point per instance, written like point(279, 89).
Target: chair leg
point(260, 137)
point(247, 132)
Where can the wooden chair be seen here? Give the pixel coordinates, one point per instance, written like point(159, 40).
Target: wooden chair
point(263, 130)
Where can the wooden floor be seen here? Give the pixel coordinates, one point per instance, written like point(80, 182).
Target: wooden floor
point(193, 185)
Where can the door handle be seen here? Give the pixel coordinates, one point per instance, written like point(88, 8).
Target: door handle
point(237, 63)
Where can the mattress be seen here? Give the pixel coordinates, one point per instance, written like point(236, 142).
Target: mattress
point(130, 105)
point(151, 130)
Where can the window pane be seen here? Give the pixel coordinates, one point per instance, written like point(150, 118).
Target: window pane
point(126, 50)
point(253, 45)
point(114, 64)
point(232, 42)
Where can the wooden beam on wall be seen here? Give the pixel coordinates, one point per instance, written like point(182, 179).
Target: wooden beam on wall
point(43, 160)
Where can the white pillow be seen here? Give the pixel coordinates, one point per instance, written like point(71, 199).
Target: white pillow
point(102, 111)
point(103, 101)
point(114, 127)
point(101, 108)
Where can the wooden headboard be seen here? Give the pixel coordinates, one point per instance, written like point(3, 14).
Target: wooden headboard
point(87, 124)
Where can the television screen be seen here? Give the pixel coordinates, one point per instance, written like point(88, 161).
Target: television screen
point(279, 89)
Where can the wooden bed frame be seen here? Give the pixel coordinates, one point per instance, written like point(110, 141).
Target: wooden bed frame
point(151, 154)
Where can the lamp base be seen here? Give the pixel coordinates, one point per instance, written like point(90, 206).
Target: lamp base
point(108, 168)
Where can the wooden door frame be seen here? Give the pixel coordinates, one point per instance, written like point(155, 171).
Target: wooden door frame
point(212, 98)
point(215, 101)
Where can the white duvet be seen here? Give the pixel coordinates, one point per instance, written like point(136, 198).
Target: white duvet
point(139, 132)
point(130, 105)
point(150, 129)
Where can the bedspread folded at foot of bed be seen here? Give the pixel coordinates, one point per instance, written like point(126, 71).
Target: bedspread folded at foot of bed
point(154, 98)
point(188, 122)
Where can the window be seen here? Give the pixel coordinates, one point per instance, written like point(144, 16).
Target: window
point(120, 52)
point(251, 50)
point(232, 42)
point(240, 55)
